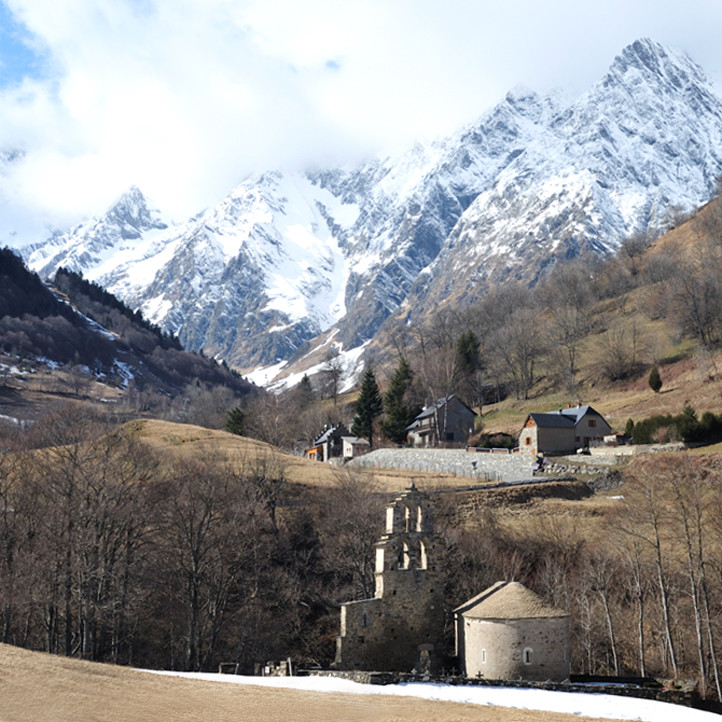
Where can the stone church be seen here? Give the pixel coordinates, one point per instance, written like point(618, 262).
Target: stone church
point(402, 626)
point(506, 632)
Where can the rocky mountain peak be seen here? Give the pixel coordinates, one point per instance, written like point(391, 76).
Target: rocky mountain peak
point(132, 215)
point(649, 64)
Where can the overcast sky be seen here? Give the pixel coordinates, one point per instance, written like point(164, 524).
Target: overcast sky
point(185, 97)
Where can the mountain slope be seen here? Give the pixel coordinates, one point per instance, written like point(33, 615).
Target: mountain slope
point(287, 257)
point(62, 328)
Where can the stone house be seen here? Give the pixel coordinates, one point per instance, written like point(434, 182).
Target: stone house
point(402, 627)
point(449, 420)
point(354, 446)
point(508, 632)
point(563, 431)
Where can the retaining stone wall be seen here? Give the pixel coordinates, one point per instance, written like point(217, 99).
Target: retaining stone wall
point(659, 693)
point(485, 467)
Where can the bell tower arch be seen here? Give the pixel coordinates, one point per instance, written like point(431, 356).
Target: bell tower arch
point(407, 617)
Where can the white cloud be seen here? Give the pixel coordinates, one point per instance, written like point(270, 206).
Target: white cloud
point(185, 97)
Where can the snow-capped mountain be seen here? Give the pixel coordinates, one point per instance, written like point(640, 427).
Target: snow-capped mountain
point(288, 256)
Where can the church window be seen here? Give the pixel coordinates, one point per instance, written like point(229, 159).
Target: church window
point(483, 656)
point(389, 520)
point(407, 519)
point(423, 561)
point(527, 655)
point(405, 560)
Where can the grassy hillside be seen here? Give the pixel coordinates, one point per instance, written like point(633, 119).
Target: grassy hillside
point(40, 687)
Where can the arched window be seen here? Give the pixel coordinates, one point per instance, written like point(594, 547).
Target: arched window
point(405, 560)
point(407, 519)
point(423, 561)
point(527, 655)
point(419, 518)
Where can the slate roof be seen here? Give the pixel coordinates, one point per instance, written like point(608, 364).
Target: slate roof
point(508, 600)
point(355, 440)
point(553, 420)
point(564, 418)
point(431, 408)
point(329, 433)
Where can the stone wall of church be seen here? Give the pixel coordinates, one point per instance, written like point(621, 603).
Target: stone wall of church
point(529, 649)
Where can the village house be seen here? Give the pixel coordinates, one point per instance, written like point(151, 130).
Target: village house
point(508, 632)
point(563, 431)
point(402, 627)
point(354, 446)
point(337, 444)
point(449, 420)
point(329, 444)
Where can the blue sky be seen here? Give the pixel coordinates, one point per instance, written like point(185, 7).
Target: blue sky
point(184, 98)
point(17, 58)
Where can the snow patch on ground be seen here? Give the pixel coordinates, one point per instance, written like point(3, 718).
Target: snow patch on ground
point(587, 705)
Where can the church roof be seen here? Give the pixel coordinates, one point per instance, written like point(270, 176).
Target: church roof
point(508, 600)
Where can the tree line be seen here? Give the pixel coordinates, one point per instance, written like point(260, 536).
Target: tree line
point(108, 552)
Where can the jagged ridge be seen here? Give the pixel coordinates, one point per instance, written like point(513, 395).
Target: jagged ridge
point(288, 256)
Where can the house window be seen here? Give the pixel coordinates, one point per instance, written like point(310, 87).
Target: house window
point(527, 655)
point(449, 435)
point(592, 423)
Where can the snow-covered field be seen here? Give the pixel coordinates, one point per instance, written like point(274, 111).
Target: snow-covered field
point(586, 705)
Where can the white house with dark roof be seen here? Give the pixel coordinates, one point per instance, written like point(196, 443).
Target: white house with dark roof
point(509, 632)
point(563, 431)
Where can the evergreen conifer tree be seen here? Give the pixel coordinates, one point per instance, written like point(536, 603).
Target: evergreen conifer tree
point(235, 421)
point(368, 407)
point(398, 413)
point(655, 381)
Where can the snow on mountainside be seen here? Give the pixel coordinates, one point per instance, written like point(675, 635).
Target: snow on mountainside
point(286, 257)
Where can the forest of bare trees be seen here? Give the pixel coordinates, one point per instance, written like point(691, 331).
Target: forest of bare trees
point(108, 552)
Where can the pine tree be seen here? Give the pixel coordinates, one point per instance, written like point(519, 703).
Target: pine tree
point(398, 414)
point(368, 407)
point(655, 381)
point(235, 421)
point(468, 360)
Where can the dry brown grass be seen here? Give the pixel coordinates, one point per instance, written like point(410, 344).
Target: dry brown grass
point(171, 438)
point(38, 687)
point(690, 381)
